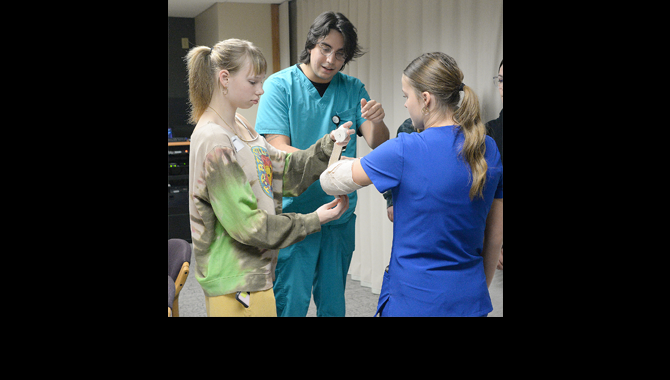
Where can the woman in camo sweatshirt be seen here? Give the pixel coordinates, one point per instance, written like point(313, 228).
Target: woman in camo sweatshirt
point(237, 181)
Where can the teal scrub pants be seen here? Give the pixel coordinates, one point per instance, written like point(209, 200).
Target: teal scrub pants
point(320, 262)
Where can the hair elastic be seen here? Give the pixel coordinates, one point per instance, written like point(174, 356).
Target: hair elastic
point(462, 88)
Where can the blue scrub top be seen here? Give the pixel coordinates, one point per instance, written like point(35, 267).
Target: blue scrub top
point(291, 106)
point(437, 268)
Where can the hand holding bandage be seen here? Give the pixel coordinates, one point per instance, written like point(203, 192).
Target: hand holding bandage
point(334, 179)
point(341, 136)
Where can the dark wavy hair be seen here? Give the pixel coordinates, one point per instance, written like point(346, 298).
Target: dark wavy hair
point(322, 27)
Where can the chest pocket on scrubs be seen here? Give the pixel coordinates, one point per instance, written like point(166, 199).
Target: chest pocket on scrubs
point(349, 115)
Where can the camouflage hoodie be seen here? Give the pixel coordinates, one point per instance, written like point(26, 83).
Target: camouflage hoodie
point(235, 195)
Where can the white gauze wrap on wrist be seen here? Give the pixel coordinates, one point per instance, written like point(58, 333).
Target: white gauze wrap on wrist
point(338, 179)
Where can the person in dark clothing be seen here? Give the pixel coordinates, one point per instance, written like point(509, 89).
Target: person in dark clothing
point(494, 129)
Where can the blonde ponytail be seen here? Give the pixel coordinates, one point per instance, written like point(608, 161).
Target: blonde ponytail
point(204, 65)
point(200, 81)
point(439, 75)
point(469, 117)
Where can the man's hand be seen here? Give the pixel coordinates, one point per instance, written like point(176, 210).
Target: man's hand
point(372, 111)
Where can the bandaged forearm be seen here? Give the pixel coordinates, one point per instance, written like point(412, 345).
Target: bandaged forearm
point(338, 179)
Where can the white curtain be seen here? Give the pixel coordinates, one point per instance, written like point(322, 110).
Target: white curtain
point(395, 32)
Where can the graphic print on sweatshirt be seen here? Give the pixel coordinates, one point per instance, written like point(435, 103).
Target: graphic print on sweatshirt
point(264, 169)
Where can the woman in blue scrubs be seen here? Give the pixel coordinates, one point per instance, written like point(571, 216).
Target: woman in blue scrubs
point(299, 104)
point(447, 184)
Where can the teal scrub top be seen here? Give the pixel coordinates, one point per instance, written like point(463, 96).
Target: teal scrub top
point(291, 106)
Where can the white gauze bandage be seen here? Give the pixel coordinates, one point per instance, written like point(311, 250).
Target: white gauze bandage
point(338, 179)
point(340, 137)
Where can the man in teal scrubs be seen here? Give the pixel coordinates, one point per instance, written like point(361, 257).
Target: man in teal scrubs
point(300, 105)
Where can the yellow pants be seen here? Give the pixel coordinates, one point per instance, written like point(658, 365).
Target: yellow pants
point(262, 304)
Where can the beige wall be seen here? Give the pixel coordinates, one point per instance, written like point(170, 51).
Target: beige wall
point(252, 22)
